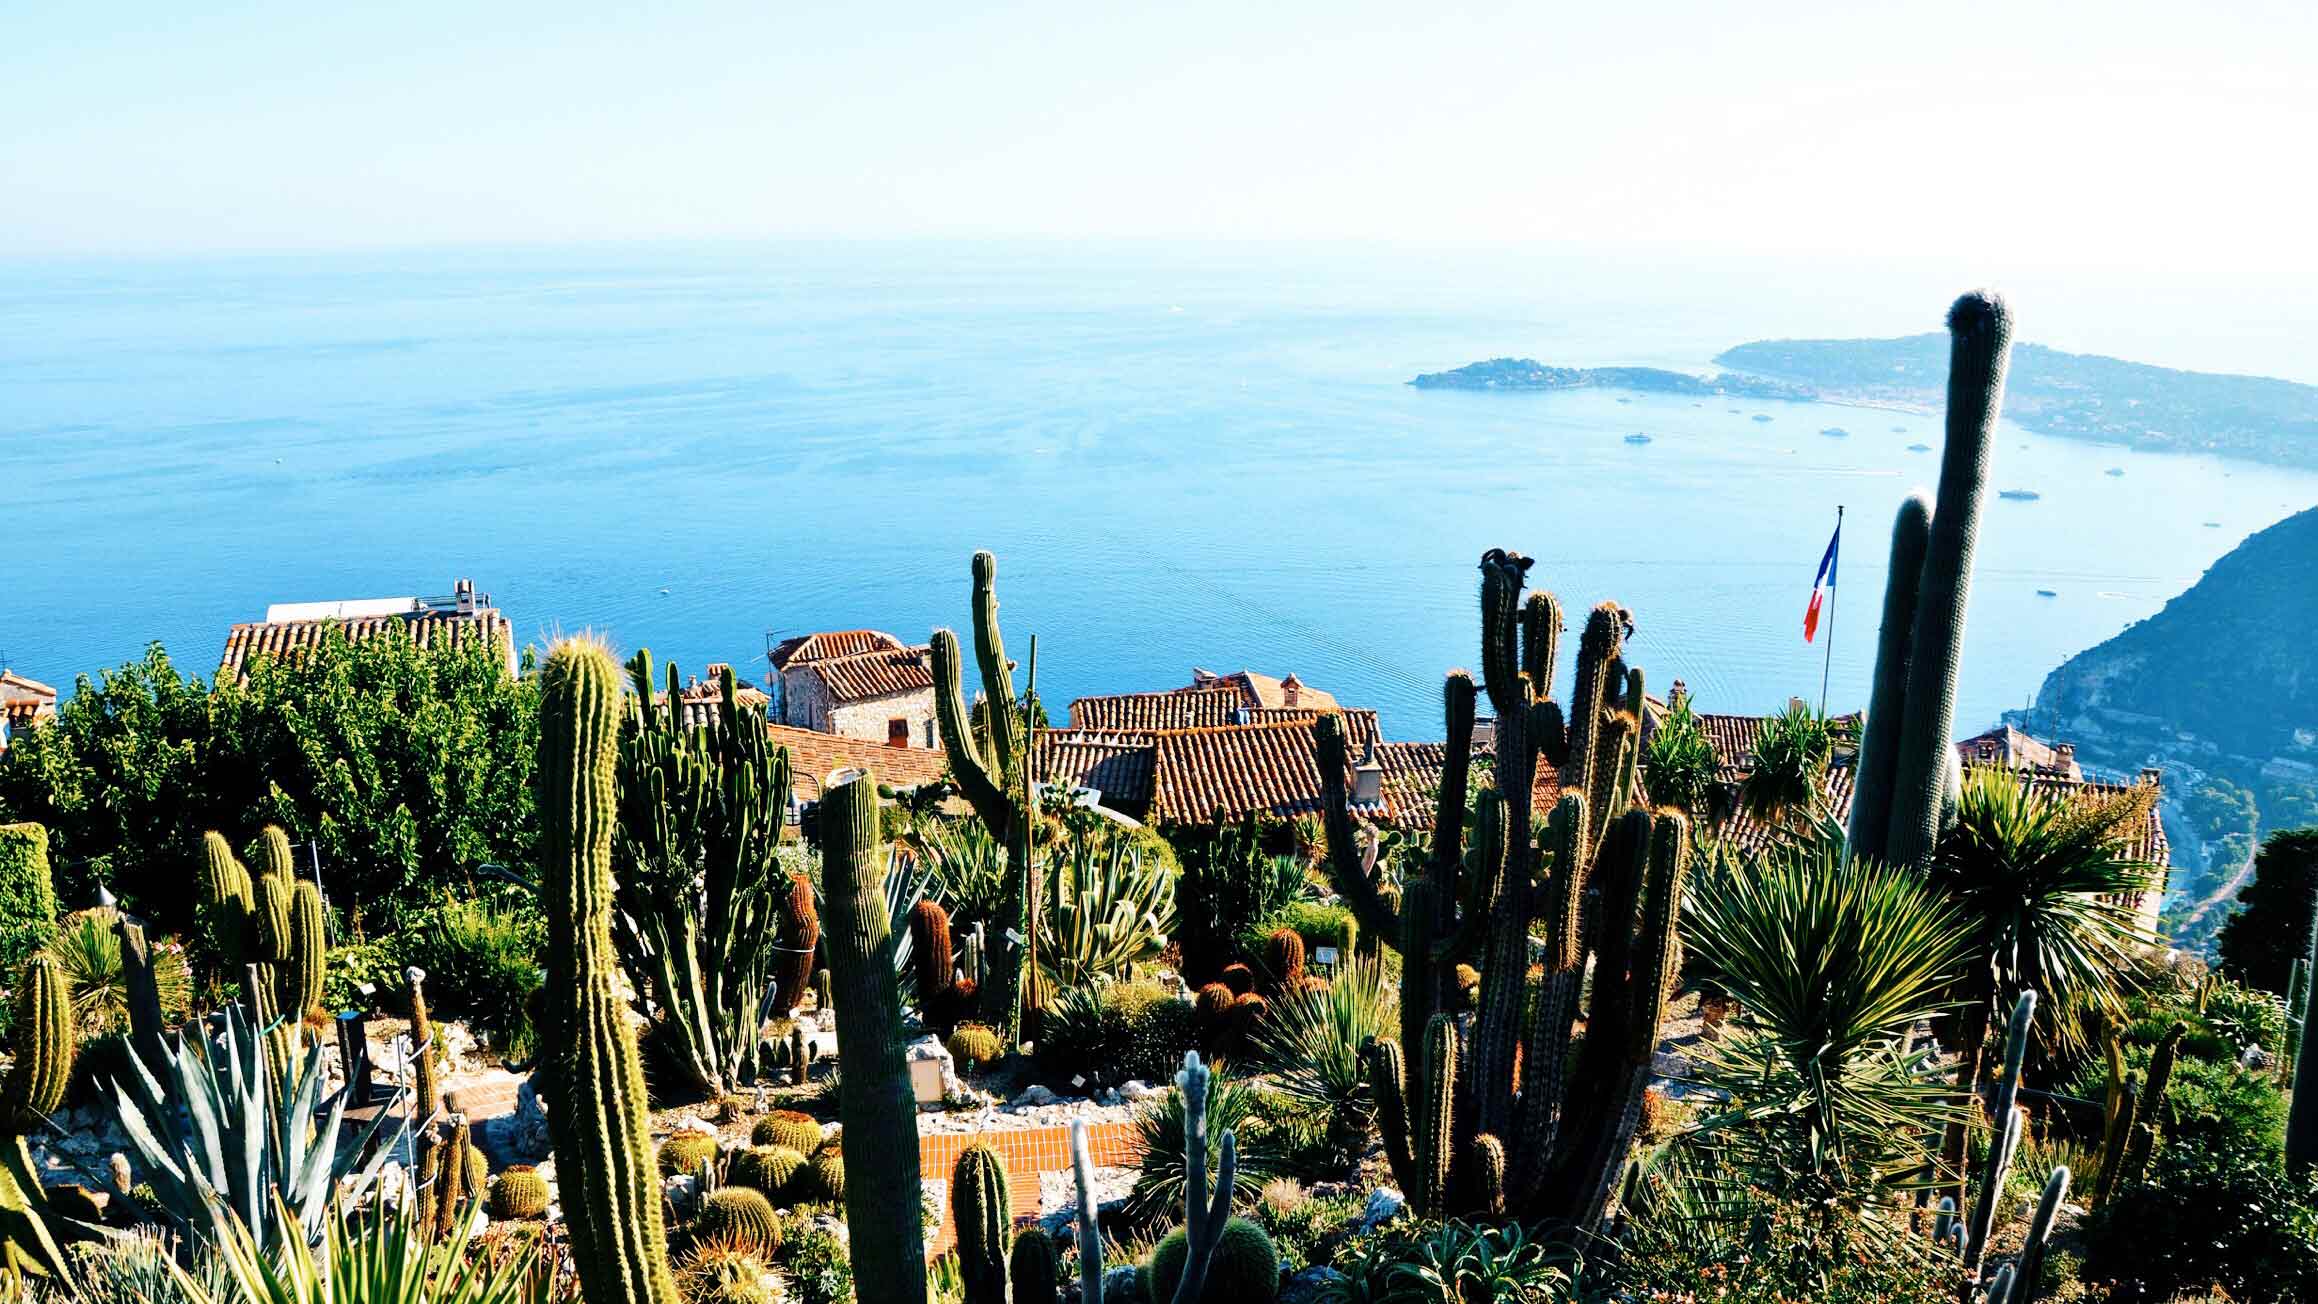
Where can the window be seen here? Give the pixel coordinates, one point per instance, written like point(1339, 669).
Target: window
point(897, 732)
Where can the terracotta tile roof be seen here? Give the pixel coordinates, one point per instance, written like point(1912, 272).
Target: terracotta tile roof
point(1118, 765)
point(882, 673)
point(1195, 708)
point(428, 629)
point(813, 755)
point(2009, 747)
point(1359, 722)
point(703, 698)
point(1263, 691)
point(832, 643)
point(23, 703)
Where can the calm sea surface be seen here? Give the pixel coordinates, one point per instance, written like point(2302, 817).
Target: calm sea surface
point(1181, 458)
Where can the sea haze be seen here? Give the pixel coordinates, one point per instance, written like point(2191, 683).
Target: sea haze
point(1180, 458)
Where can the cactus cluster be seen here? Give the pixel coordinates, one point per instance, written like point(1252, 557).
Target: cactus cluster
point(31, 1231)
point(990, 758)
point(1907, 770)
point(875, 1103)
point(597, 1116)
point(268, 927)
point(706, 926)
point(1464, 1129)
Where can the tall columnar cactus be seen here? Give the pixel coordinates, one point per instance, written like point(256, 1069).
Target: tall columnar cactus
point(425, 1076)
point(1204, 1217)
point(991, 765)
point(597, 1117)
point(228, 901)
point(2302, 1116)
point(799, 933)
point(1906, 759)
point(1033, 1268)
point(2007, 1140)
point(701, 810)
point(1543, 1142)
point(941, 995)
point(1090, 1231)
point(27, 892)
point(982, 1215)
point(30, 1230)
point(2151, 1106)
point(874, 1097)
point(298, 982)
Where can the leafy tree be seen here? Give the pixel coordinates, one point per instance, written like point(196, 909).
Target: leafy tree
point(2278, 912)
point(405, 766)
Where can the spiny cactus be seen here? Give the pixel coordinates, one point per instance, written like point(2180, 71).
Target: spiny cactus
point(426, 1072)
point(773, 1170)
point(825, 1176)
point(298, 983)
point(934, 965)
point(1090, 1231)
point(973, 1045)
point(2297, 997)
point(739, 1213)
point(792, 1128)
point(799, 930)
point(874, 1098)
point(1284, 956)
point(31, 1231)
point(597, 1113)
point(2008, 1130)
point(992, 768)
point(2151, 1105)
point(1204, 1218)
point(702, 806)
point(981, 1214)
point(683, 1152)
point(519, 1192)
point(227, 901)
point(1907, 760)
point(1245, 1266)
point(1034, 1269)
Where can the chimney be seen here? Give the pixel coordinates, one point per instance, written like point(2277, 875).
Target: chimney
point(1795, 704)
point(1677, 695)
point(1368, 779)
point(463, 596)
point(2150, 774)
point(1291, 690)
point(2064, 758)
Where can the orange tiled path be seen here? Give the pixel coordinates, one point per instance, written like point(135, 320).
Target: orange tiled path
point(1029, 1153)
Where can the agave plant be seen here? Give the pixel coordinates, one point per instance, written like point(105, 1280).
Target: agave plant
point(1833, 961)
point(1310, 1038)
point(228, 1139)
point(1107, 909)
point(967, 867)
point(381, 1256)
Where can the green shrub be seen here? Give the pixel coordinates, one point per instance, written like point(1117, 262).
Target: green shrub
point(1231, 1106)
point(817, 1264)
point(1705, 1233)
point(1112, 1032)
point(483, 962)
point(354, 965)
point(2210, 1104)
point(1311, 1041)
point(2244, 1016)
point(2208, 1219)
point(27, 894)
point(1310, 1232)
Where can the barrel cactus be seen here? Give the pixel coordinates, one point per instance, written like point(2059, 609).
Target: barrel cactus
point(772, 1170)
point(1034, 1269)
point(1245, 1266)
point(738, 1213)
point(683, 1152)
point(826, 1173)
point(519, 1192)
point(787, 1127)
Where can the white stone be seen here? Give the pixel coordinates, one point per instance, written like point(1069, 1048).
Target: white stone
point(1383, 1203)
point(1035, 1095)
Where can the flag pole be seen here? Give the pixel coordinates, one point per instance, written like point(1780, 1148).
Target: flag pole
point(1828, 664)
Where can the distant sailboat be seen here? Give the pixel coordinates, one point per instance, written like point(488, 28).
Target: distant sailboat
point(2114, 470)
point(1836, 432)
point(2019, 495)
point(2046, 593)
point(1919, 448)
point(1762, 416)
point(1637, 438)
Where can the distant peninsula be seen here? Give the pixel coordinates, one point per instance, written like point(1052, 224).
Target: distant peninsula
point(2074, 395)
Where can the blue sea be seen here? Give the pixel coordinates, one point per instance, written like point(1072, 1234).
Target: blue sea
point(1182, 457)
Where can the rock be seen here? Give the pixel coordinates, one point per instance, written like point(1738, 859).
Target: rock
point(1035, 1095)
point(1383, 1204)
point(679, 1190)
point(700, 1125)
point(1136, 1089)
point(1311, 1285)
point(525, 1133)
point(930, 1048)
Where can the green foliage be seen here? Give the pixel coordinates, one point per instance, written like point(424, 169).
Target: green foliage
point(27, 892)
point(2209, 1104)
point(968, 868)
point(2209, 1219)
point(1246, 1266)
point(1230, 882)
point(1833, 962)
point(1790, 765)
point(1108, 908)
point(1114, 1032)
point(87, 949)
point(352, 965)
point(1310, 1040)
point(1679, 766)
point(819, 1269)
point(373, 1255)
point(482, 956)
point(1318, 923)
point(2277, 916)
point(408, 766)
point(1310, 1230)
point(702, 807)
point(2245, 1017)
point(1159, 1183)
point(1455, 1261)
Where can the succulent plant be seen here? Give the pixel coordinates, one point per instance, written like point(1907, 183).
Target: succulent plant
point(738, 1213)
point(519, 1192)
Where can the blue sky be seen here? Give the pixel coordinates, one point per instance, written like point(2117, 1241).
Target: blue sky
point(2119, 133)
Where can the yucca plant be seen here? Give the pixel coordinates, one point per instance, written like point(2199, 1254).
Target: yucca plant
point(1832, 961)
point(378, 1256)
point(967, 867)
point(1162, 1172)
point(1679, 767)
point(1310, 1040)
point(1790, 766)
point(225, 1136)
point(87, 948)
point(1107, 908)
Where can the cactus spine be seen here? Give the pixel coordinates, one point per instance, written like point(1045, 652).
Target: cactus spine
point(45, 1045)
point(1921, 759)
point(2151, 1105)
point(1090, 1232)
point(1554, 1148)
point(1876, 770)
point(992, 767)
point(2007, 1140)
point(982, 1215)
point(609, 1191)
point(874, 1098)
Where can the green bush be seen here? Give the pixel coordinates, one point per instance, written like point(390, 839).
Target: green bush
point(1318, 923)
point(482, 962)
point(2208, 1219)
point(353, 965)
point(1693, 1231)
point(817, 1265)
point(2210, 1104)
point(1231, 1106)
point(1113, 1032)
point(27, 894)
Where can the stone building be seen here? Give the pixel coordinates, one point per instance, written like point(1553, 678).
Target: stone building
point(857, 683)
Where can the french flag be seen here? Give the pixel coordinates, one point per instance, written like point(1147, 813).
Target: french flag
point(1823, 587)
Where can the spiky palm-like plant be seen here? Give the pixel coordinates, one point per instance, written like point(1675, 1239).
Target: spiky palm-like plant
point(1790, 766)
point(1832, 963)
point(2048, 891)
point(87, 947)
point(1310, 1038)
point(1679, 767)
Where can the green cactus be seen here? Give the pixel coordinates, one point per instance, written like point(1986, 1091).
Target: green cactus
point(1034, 1269)
point(1090, 1231)
point(973, 1046)
point(271, 856)
point(1436, 1140)
point(981, 1214)
point(798, 926)
point(454, 1201)
point(426, 1072)
point(2118, 1140)
point(1205, 1218)
point(1875, 771)
point(2151, 1105)
point(738, 1213)
point(874, 1098)
point(2029, 1268)
point(519, 1192)
point(787, 1127)
point(31, 1232)
point(778, 1171)
point(702, 808)
point(271, 938)
point(1284, 958)
point(683, 1152)
point(1921, 759)
point(825, 1176)
point(597, 1115)
point(1244, 1268)
point(991, 764)
point(2007, 1140)
point(228, 902)
point(299, 979)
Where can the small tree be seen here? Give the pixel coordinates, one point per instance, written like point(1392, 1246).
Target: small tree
point(2277, 915)
point(1790, 765)
point(1679, 766)
point(27, 897)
